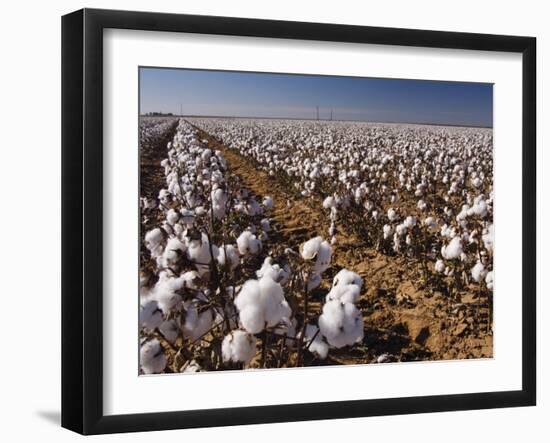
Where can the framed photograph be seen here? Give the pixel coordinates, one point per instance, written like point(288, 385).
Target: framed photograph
point(269, 221)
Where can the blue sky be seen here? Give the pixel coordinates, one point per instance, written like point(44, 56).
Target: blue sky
point(243, 94)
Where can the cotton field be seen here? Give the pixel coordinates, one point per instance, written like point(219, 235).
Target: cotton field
point(289, 243)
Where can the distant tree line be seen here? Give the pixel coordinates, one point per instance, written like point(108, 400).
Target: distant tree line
point(159, 114)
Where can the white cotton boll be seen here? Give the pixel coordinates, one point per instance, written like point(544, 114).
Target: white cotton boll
point(392, 214)
point(178, 229)
point(165, 292)
point(253, 208)
point(273, 271)
point(408, 240)
point(200, 210)
point(192, 280)
point(324, 255)
point(153, 241)
point(488, 238)
point(489, 280)
point(313, 282)
point(267, 202)
point(477, 182)
point(188, 217)
point(478, 272)
point(248, 244)
point(400, 230)
point(173, 250)
point(192, 367)
point(345, 293)
point(261, 304)
point(172, 216)
point(410, 221)
point(169, 330)
point(430, 223)
point(152, 358)
point(238, 346)
point(439, 266)
point(310, 248)
point(228, 255)
point(318, 346)
point(265, 224)
point(202, 323)
point(422, 205)
point(329, 202)
point(453, 250)
point(346, 277)
point(198, 251)
point(332, 230)
point(388, 231)
point(341, 323)
point(150, 315)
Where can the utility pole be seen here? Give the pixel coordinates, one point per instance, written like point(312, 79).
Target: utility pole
point(317, 112)
point(330, 114)
point(181, 110)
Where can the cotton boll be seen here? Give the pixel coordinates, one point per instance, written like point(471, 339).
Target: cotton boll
point(201, 324)
point(422, 205)
point(169, 330)
point(341, 323)
point(192, 367)
point(313, 282)
point(192, 280)
point(267, 202)
point(439, 266)
point(478, 272)
point(173, 250)
point(153, 242)
point(273, 271)
point(238, 346)
point(453, 250)
point(198, 251)
point(150, 315)
point(152, 358)
point(410, 222)
point(172, 217)
point(265, 224)
point(324, 255)
point(228, 256)
point(188, 217)
point(392, 214)
point(345, 277)
point(261, 304)
point(248, 244)
point(317, 346)
point(388, 231)
point(489, 280)
point(310, 248)
point(346, 293)
point(329, 202)
point(165, 292)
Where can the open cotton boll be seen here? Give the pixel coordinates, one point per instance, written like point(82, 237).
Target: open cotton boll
point(268, 202)
point(164, 291)
point(228, 256)
point(318, 346)
point(410, 221)
point(310, 248)
point(169, 330)
point(478, 272)
point(173, 250)
point(197, 323)
point(265, 224)
point(324, 255)
point(341, 323)
point(192, 367)
point(253, 208)
point(172, 216)
point(346, 277)
point(439, 266)
point(150, 315)
point(191, 279)
point(153, 242)
point(198, 251)
point(388, 231)
point(392, 214)
point(273, 271)
point(346, 293)
point(248, 243)
point(329, 202)
point(261, 303)
point(313, 282)
point(489, 280)
point(188, 217)
point(238, 347)
point(152, 358)
point(453, 250)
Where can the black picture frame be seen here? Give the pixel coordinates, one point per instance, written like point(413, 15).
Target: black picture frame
point(82, 190)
